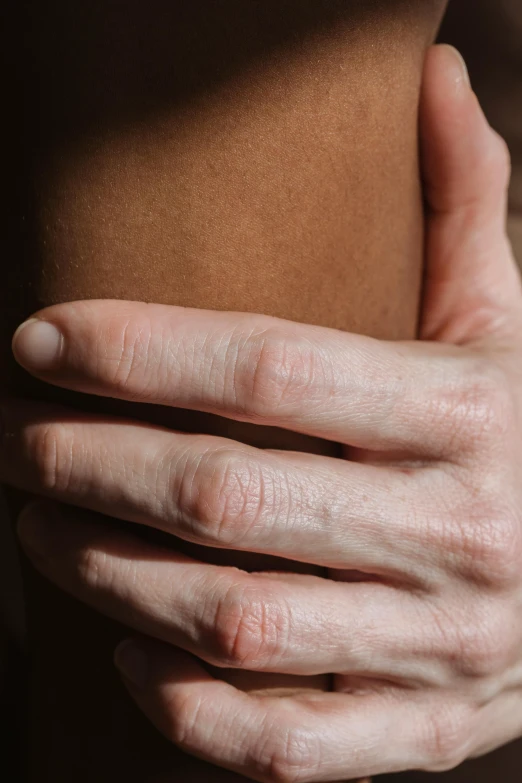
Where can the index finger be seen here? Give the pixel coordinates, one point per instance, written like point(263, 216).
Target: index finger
point(318, 381)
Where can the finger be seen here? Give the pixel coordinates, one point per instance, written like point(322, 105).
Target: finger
point(472, 282)
point(319, 737)
point(218, 493)
point(287, 624)
point(346, 388)
point(501, 724)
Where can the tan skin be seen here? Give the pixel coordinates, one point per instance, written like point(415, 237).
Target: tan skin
point(226, 160)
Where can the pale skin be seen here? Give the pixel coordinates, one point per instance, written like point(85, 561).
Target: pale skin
point(427, 644)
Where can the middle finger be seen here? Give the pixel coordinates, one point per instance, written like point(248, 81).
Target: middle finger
point(224, 494)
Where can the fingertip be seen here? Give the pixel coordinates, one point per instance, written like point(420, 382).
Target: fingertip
point(446, 88)
point(449, 59)
point(458, 145)
point(38, 345)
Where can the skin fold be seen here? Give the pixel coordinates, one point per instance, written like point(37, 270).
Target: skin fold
point(493, 52)
point(257, 157)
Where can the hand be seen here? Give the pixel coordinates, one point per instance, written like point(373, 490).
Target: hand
point(427, 647)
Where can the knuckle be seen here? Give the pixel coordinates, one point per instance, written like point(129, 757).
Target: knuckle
point(295, 756)
point(482, 647)
point(93, 569)
point(491, 545)
point(131, 355)
point(274, 371)
point(223, 495)
point(250, 629)
point(447, 737)
point(183, 720)
point(482, 408)
point(54, 450)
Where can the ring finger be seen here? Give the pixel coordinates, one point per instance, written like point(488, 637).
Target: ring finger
point(289, 624)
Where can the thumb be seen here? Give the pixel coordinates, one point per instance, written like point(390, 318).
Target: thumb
point(472, 284)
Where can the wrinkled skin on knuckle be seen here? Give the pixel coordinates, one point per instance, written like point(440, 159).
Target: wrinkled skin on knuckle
point(483, 411)
point(52, 450)
point(276, 372)
point(481, 645)
point(474, 638)
point(100, 577)
point(65, 460)
point(133, 357)
point(447, 737)
point(250, 628)
point(281, 752)
point(294, 754)
point(93, 570)
point(490, 546)
point(181, 720)
point(224, 496)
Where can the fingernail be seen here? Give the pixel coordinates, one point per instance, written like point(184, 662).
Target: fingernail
point(37, 345)
point(132, 662)
point(461, 62)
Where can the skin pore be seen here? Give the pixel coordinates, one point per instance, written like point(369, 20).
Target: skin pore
point(239, 156)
